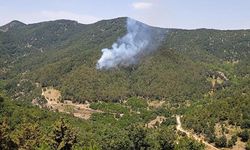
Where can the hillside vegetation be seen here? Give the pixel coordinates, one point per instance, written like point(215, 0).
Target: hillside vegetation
point(63, 54)
point(203, 75)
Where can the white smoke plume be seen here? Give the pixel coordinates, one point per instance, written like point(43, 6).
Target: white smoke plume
point(127, 50)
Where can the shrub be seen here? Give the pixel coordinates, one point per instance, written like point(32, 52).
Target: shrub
point(221, 142)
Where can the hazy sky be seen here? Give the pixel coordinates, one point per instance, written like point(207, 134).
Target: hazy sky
point(219, 14)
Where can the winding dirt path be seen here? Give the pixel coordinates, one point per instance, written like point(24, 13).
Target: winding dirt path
point(189, 134)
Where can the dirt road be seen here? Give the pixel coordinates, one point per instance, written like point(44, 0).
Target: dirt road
point(189, 134)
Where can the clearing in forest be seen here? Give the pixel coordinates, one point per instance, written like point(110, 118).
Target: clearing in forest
point(55, 102)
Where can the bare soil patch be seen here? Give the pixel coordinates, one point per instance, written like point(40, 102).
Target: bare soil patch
point(155, 104)
point(156, 122)
point(55, 103)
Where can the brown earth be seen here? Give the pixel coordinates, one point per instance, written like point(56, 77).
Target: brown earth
point(54, 102)
point(156, 122)
point(155, 104)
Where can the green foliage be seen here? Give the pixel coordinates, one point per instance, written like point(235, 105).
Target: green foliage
point(137, 134)
point(63, 54)
point(244, 135)
point(115, 139)
point(232, 141)
point(221, 141)
point(5, 140)
point(28, 126)
point(225, 105)
point(1, 102)
point(188, 144)
point(26, 136)
point(248, 145)
point(245, 123)
point(62, 136)
point(137, 103)
point(166, 138)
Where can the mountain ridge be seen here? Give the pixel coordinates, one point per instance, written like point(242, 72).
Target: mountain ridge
point(201, 75)
point(64, 55)
point(103, 20)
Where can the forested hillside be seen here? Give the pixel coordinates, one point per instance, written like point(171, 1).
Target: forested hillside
point(203, 75)
point(63, 54)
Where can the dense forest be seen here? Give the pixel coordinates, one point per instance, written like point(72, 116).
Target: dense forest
point(202, 75)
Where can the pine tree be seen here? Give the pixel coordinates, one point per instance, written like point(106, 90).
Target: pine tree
point(62, 137)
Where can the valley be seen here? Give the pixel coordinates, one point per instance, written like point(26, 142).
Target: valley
point(190, 93)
